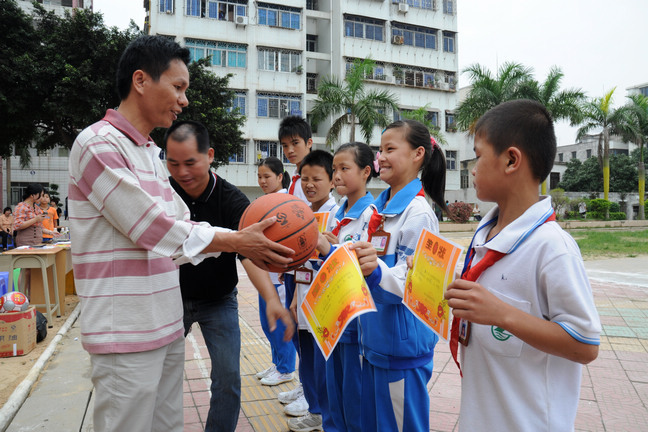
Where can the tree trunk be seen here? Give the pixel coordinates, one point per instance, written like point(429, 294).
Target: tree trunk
point(8, 185)
point(642, 189)
point(352, 135)
point(606, 165)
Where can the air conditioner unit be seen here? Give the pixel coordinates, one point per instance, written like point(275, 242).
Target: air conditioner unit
point(403, 7)
point(398, 40)
point(241, 20)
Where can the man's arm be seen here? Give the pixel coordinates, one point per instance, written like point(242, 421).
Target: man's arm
point(253, 244)
point(274, 309)
point(471, 301)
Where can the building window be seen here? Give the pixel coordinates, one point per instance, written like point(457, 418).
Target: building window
point(450, 122)
point(433, 117)
point(417, 76)
point(422, 37)
point(279, 16)
point(363, 28)
point(66, 3)
point(278, 106)
point(311, 83)
point(377, 73)
point(266, 149)
point(560, 157)
point(465, 179)
point(573, 155)
point(588, 152)
point(312, 5)
point(554, 179)
point(240, 156)
point(279, 60)
point(226, 10)
point(451, 160)
point(311, 43)
point(448, 42)
point(239, 102)
point(422, 4)
point(222, 54)
point(166, 6)
point(448, 7)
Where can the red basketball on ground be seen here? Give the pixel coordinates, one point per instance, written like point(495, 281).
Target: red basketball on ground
point(296, 225)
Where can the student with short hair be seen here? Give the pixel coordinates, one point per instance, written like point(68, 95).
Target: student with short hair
point(528, 316)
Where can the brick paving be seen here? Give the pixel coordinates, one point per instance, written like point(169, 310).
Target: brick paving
point(614, 392)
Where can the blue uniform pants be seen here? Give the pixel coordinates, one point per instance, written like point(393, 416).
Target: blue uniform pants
point(395, 399)
point(283, 353)
point(343, 385)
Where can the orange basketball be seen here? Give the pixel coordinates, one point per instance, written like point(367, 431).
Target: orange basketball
point(296, 226)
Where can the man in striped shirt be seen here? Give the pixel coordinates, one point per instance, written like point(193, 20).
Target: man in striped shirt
point(130, 232)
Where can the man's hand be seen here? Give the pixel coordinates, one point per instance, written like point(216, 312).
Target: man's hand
point(275, 311)
point(252, 243)
point(367, 256)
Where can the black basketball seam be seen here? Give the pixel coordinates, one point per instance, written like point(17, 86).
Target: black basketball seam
point(265, 216)
point(297, 231)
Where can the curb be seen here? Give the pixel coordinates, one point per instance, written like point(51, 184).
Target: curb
point(19, 395)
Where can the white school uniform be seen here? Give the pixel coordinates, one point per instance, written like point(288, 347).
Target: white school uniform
point(507, 384)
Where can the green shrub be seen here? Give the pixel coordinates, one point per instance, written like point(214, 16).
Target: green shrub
point(572, 215)
point(617, 215)
point(615, 207)
point(599, 205)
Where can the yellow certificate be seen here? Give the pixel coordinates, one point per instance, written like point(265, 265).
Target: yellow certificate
point(322, 219)
point(338, 294)
point(434, 262)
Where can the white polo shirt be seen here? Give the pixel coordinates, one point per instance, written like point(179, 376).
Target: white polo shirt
point(507, 384)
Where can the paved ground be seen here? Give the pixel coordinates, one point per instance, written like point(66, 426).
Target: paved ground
point(614, 394)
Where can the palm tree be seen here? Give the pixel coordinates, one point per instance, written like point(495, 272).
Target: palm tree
point(638, 128)
point(422, 115)
point(561, 104)
point(599, 114)
point(349, 101)
point(511, 82)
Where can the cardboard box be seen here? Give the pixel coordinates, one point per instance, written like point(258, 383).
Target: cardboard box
point(17, 333)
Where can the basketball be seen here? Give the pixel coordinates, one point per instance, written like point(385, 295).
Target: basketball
point(296, 226)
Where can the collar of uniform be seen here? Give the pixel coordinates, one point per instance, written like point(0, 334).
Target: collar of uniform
point(400, 201)
point(357, 209)
point(123, 125)
point(204, 197)
point(327, 206)
point(508, 240)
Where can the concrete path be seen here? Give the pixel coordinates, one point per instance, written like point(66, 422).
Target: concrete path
point(614, 393)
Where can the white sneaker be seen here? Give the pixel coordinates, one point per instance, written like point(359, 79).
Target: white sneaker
point(297, 408)
point(264, 373)
point(292, 395)
point(306, 423)
point(276, 378)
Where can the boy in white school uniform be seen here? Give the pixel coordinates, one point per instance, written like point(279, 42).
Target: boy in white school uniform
point(528, 320)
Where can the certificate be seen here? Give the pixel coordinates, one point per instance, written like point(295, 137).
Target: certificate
point(434, 262)
point(337, 295)
point(322, 219)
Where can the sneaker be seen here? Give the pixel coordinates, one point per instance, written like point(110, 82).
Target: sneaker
point(297, 408)
point(309, 422)
point(292, 395)
point(266, 372)
point(276, 378)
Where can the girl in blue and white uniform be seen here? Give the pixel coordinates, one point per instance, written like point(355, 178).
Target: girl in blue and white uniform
point(352, 170)
point(397, 349)
point(273, 179)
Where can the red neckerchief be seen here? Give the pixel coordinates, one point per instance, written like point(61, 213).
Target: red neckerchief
point(377, 219)
point(340, 224)
point(472, 274)
point(291, 191)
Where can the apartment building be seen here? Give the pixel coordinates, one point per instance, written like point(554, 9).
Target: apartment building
point(278, 52)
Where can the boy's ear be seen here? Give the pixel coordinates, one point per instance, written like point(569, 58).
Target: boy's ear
point(309, 144)
point(513, 159)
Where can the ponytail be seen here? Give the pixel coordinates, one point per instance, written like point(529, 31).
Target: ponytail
point(285, 180)
point(433, 169)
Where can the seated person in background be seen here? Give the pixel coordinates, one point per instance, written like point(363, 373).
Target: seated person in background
point(476, 212)
point(6, 226)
